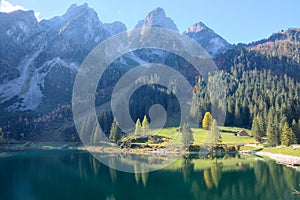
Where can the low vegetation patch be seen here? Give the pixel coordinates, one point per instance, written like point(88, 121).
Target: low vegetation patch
point(283, 150)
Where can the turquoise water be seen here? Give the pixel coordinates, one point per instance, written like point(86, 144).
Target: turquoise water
point(64, 174)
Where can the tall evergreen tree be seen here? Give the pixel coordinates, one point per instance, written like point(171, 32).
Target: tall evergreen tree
point(194, 110)
point(257, 129)
point(213, 136)
point(272, 135)
point(145, 125)
point(237, 114)
point(273, 128)
point(115, 132)
point(295, 129)
point(262, 123)
point(283, 120)
point(138, 127)
point(187, 137)
point(287, 136)
point(298, 135)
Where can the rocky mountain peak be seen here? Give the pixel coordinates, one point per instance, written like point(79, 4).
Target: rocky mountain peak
point(18, 15)
point(115, 27)
point(18, 26)
point(208, 39)
point(77, 8)
point(157, 18)
point(75, 11)
point(197, 27)
point(157, 12)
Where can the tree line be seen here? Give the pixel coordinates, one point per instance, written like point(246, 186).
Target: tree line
point(259, 100)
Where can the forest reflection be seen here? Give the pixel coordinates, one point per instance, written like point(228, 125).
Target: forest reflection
point(191, 177)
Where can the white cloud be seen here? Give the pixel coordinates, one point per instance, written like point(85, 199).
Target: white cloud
point(7, 7)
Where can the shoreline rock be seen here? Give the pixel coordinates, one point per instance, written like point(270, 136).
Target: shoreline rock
point(281, 158)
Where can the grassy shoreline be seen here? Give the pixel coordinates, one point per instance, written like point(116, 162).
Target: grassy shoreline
point(164, 141)
point(288, 151)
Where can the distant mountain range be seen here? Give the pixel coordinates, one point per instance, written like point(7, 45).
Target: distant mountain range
point(39, 60)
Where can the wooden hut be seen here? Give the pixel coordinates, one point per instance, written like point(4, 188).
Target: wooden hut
point(241, 133)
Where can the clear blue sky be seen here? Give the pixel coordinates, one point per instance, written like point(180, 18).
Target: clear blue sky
point(235, 20)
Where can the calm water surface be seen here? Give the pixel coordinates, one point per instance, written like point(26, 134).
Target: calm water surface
point(54, 174)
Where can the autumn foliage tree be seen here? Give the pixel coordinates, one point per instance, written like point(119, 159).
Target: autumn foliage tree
point(207, 120)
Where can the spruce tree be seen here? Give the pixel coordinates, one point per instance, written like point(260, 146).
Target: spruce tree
point(262, 123)
point(283, 120)
point(216, 132)
point(213, 136)
point(257, 129)
point(287, 135)
point(207, 120)
point(145, 125)
point(187, 137)
point(296, 130)
point(272, 135)
point(237, 114)
point(138, 127)
point(298, 134)
point(115, 132)
point(293, 138)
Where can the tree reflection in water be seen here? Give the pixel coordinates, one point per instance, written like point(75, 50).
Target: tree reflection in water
point(77, 175)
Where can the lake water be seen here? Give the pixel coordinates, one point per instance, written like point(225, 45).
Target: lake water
point(64, 174)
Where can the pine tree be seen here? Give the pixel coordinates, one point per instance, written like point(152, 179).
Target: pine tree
point(145, 125)
point(283, 120)
point(216, 132)
point(257, 129)
point(115, 132)
point(138, 127)
point(237, 114)
point(293, 138)
point(187, 137)
point(273, 128)
point(298, 135)
point(207, 120)
point(194, 111)
point(262, 123)
point(272, 135)
point(296, 130)
point(213, 136)
point(287, 136)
